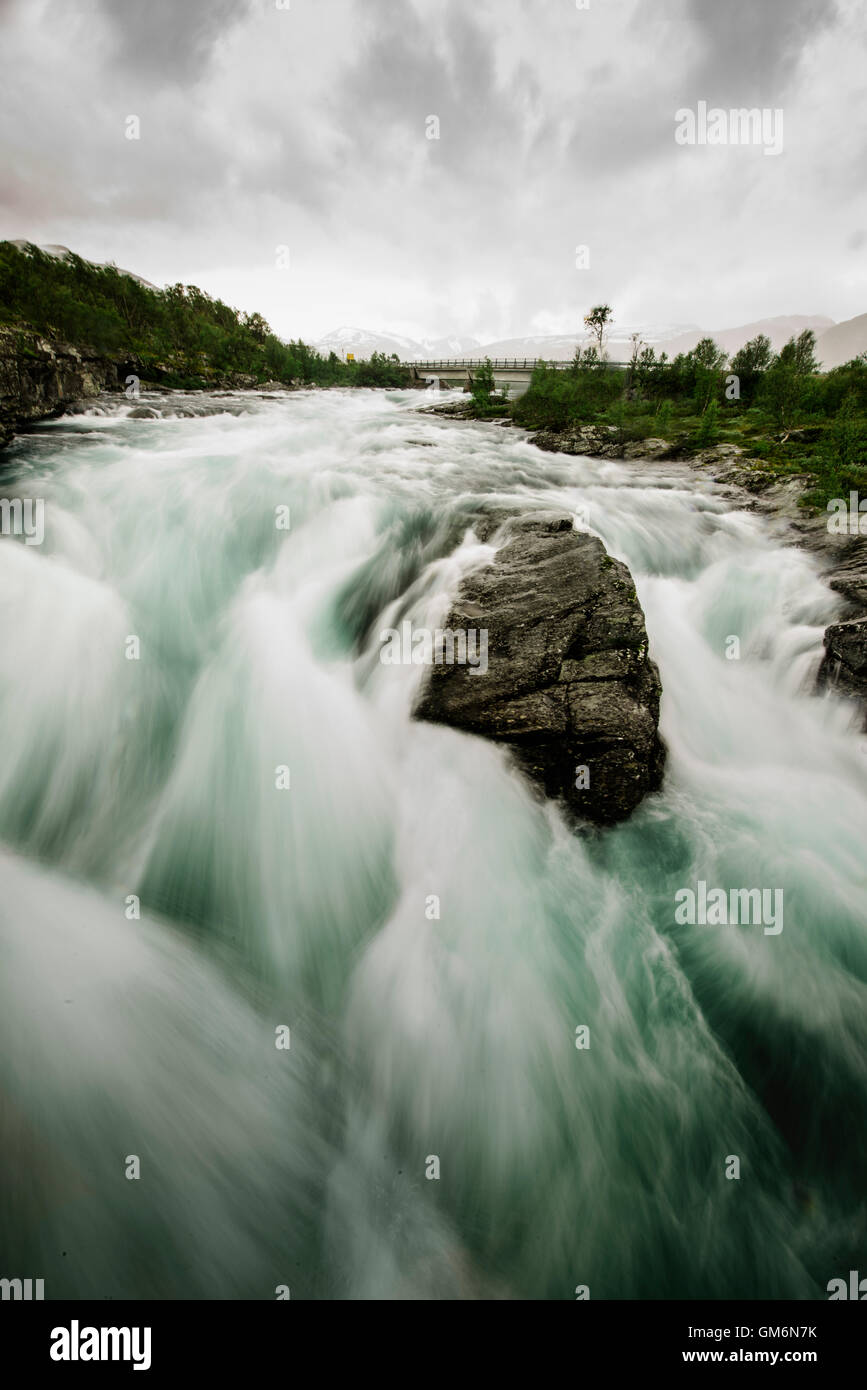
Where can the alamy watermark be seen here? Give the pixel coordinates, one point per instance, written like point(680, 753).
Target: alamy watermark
point(856, 1289)
point(714, 907)
point(847, 518)
point(740, 126)
point(77, 1343)
point(23, 1290)
point(442, 647)
point(23, 516)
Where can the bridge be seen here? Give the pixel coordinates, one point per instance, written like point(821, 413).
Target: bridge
point(514, 371)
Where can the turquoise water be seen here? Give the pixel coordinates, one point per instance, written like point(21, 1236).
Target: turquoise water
point(166, 908)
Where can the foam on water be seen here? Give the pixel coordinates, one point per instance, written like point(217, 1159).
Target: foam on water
point(413, 1034)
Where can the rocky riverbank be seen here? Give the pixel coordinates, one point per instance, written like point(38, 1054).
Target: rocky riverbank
point(43, 377)
point(40, 378)
point(843, 556)
point(753, 487)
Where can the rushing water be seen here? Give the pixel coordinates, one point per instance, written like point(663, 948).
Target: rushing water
point(154, 779)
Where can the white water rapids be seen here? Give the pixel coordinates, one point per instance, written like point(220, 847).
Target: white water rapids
point(154, 1035)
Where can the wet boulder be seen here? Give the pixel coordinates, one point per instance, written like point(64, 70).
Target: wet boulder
point(844, 666)
point(567, 683)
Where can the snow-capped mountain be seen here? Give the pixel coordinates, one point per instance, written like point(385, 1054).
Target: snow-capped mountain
point(671, 338)
point(559, 347)
point(554, 347)
point(453, 347)
point(363, 343)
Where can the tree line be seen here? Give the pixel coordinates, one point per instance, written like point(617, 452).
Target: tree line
point(779, 407)
point(181, 336)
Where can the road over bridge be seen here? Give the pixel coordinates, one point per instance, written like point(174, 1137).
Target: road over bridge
point(512, 371)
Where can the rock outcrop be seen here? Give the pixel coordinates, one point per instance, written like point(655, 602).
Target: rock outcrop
point(569, 684)
point(849, 575)
point(598, 441)
point(40, 378)
point(844, 666)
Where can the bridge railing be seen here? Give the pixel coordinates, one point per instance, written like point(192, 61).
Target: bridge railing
point(500, 364)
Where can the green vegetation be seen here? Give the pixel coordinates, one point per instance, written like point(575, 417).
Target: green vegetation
point(180, 335)
point(557, 399)
point(487, 404)
point(784, 413)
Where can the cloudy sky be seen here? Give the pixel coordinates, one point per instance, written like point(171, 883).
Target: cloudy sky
point(305, 125)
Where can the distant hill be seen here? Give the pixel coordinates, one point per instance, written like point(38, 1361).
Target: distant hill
point(842, 342)
point(553, 347)
point(560, 347)
point(670, 338)
point(363, 342)
point(779, 330)
point(62, 253)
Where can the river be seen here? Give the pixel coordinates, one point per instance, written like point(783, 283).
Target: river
point(222, 831)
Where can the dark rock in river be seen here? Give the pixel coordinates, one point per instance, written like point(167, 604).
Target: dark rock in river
point(569, 683)
point(849, 576)
point(598, 441)
point(844, 667)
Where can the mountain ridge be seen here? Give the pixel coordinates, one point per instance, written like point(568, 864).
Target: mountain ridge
point(669, 338)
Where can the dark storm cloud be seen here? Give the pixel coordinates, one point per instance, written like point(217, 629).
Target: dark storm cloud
point(750, 48)
point(305, 126)
point(405, 73)
point(169, 40)
point(198, 159)
point(616, 131)
point(737, 53)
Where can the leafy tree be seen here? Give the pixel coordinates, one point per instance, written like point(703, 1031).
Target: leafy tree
point(483, 384)
point(754, 356)
point(748, 364)
point(708, 432)
point(781, 393)
point(707, 359)
point(590, 360)
point(662, 419)
point(799, 353)
point(596, 322)
point(255, 324)
point(784, 384)
point(847, 437)
point(708, 354)
point(644, 367)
